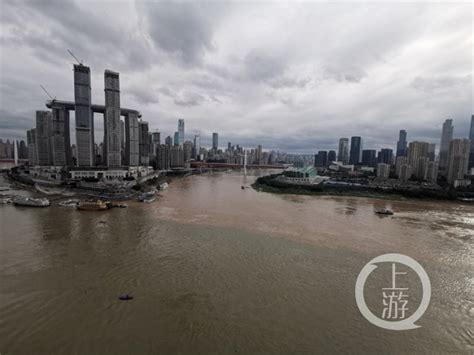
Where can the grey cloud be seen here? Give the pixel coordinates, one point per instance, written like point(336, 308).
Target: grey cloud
point(435, 83)
point(189, 99)
point(261, 66)
point(295, 79)
point(345, 73)
point(184, 30)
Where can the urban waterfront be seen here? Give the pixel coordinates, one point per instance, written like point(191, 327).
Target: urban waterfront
point(215, 268)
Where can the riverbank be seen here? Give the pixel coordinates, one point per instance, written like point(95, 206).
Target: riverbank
point(270, 184)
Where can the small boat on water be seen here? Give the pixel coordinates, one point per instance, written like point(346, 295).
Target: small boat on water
point(98, 205)
point(125, 298)
point(385, 212)
point(30, 201)
point(147, 196)
point(5, 201)
point(149, 199)
point(69, 203)
point(164, 186)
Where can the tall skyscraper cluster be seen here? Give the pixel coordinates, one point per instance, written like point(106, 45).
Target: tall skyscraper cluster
point(413, 160)
point(125, 143)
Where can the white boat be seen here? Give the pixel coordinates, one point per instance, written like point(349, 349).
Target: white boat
point(164, 186)
point(69, 203)
point(149, 200)
point(31, 202)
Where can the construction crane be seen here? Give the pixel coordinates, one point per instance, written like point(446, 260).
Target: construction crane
point(47, 93)
point(72, 55)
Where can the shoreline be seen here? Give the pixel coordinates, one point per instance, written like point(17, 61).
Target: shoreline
point(269, 185)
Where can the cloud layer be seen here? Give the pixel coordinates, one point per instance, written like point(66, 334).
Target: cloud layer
point(294, 77)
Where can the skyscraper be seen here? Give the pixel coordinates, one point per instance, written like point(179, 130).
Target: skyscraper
point(215, 141)
point(84, 116)
point(418, 158)
point(369, 157)
point(321, 159)
point(60, 137)
point(143, 143)
point(132, 154)
point(331, 157)
point(355, 156)
point(385, 156)
point(197, 146)
point(111, 155)
point(458, 159)
point(446, 137)
point(471, 137)
point(31, 141)
point(343, 152)
point(402, 144)
point(43, 138)
point(180, 132)
point(176, 138)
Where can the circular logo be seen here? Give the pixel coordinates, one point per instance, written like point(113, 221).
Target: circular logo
point(394, 297)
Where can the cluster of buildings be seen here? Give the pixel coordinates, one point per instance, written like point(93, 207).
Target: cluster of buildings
point(128, 148)
point(7, 149)
point(415, 160)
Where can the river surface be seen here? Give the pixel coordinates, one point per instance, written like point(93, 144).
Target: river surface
point(214, 268)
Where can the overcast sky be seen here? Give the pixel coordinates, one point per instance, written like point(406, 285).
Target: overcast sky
point(294, 77)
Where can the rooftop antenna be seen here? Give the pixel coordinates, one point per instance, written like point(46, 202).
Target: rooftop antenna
point(47, 93)
point(72, 55)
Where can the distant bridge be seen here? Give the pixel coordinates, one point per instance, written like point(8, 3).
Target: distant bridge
point(199, 164)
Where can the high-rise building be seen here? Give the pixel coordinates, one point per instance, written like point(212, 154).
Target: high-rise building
point(385, 156)
point(446, 137)
point(143, 143)
point(369, 157)
point(180, 132)
point(84, 116)
point(60, 140)
point(43, 138)
point(169, 141)
point(22, 150)
point(31, 141)
point(383, 171)
point(432, 171)
point(197, 146)
point(471, 137)
point(163, 156)
point(355, 156)
point(321, 159)
point(402, 144)
point(187, 151)
point(400, 161)
point(132, 141)
point(176, 156)
point(431, 152)
point(458, 159)
point(331, 157)
point(111, 155)
point(418, 158)
point(343, 152)
point(215, 141)
point(176, 138)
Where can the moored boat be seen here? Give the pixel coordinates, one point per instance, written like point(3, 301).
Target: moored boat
point(30, 201)
point(69, 203)
point(97, 205)
point(384, 211)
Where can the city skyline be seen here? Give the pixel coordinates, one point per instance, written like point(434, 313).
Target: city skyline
point(262, 91)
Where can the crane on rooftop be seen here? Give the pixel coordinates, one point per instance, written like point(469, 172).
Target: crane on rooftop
point(72, 55)
point(47, 93)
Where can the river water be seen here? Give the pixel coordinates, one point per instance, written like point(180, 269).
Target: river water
point(214, 268)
